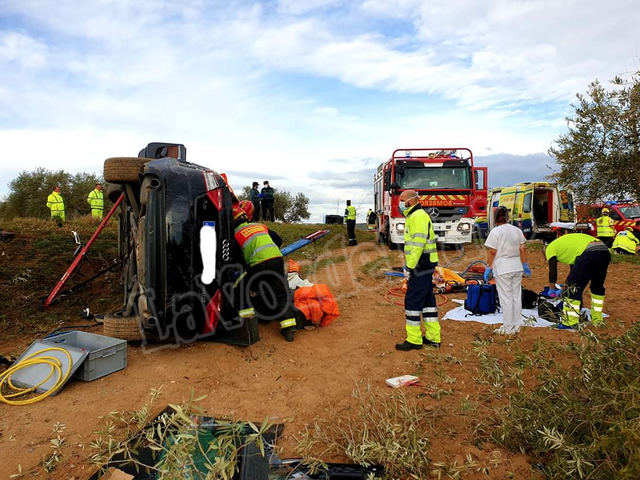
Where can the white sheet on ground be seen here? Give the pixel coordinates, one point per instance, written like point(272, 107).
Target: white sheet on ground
point(532, 320)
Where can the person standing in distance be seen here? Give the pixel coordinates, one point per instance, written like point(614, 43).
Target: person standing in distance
point(507, 259)
point(96, 202)
point(350, 219)
point(605, 230)
point(421, 259)
point(267, 196)
point(254, 197)
point(55, 203)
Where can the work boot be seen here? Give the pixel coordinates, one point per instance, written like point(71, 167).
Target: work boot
point(429, 343)
point(287, 333)
point(406, 346)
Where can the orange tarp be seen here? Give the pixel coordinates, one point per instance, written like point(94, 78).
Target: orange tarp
point(317, 303)
point(443, 276)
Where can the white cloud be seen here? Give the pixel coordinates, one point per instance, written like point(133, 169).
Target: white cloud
point(19, 49)
point(297, 7)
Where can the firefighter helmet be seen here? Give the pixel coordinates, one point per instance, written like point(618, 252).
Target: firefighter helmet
point(247, 207)
point(629, 229)
point(605, 211)
point(238, 212)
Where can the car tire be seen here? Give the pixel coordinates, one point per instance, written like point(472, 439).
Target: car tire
point(118, 326)
point(124, 169)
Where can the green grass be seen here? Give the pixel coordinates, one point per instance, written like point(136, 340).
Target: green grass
point(633, 259)
point(337, 238)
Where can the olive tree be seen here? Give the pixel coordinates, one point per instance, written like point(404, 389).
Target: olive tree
point(599, 156)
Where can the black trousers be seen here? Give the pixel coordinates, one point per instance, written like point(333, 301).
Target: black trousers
point(273, 299)
point(351, 230)
point(267, 210)
point(420, 294)
point(592, 267)
point(608, 241)
point(256, 210)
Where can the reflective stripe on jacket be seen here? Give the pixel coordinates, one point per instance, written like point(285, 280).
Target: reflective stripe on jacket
point(419, 237)
point(350, 212)
point(605, 226)
point(96, 200)
point(56, 204)
point(256, 243)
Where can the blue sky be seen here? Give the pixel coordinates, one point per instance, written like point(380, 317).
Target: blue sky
point(312, 95)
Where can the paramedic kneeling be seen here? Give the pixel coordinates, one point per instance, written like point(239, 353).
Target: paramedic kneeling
point(421, 258)
point(265, 270)
point(588, 259)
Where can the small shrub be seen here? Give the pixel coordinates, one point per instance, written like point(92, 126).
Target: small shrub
point(583, 422)
point(180, 447)
point(384, 429)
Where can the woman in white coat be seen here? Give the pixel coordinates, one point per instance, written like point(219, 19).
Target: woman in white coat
point(507, 259)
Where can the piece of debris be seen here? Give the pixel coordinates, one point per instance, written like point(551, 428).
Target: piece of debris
point(402, 381)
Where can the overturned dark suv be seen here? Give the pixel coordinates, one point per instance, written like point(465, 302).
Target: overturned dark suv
point(166, 202)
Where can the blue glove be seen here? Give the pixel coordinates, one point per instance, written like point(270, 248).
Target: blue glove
point(488, 273)
point(527, 269)
point(555, 293)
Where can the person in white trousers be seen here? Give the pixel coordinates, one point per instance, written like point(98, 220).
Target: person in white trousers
point(507, 259)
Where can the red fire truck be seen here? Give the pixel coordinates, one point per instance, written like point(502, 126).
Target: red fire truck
point(452, 191)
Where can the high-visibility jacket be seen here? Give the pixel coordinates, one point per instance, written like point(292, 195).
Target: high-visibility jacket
point(256, 243)
point(96, 202)
point(569, 247)
point(350, 213)
point(419, 237)
point(55, 203)
point(626, 241)
point(605, 226)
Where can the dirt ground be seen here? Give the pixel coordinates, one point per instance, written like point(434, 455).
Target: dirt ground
point(311, 378)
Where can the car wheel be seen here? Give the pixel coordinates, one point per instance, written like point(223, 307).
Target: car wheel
point(124, 169)
point(118, 326)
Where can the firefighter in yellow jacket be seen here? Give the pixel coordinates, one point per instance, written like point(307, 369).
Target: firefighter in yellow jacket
point(605, 230)
point(350, 220)
point(55, 203)
point(265, 270)
point(421, 259)
point(96, 202)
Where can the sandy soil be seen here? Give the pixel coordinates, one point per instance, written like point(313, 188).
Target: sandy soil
point(296, 382)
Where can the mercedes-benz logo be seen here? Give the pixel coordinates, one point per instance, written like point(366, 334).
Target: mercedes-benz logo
point(433, 212)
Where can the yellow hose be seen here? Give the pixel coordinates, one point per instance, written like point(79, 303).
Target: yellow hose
point(56, 367)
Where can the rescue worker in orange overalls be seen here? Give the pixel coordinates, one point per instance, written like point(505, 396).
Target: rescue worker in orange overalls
point(266, 278)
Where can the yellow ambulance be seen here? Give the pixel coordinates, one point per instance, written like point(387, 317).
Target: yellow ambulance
point(533, 207)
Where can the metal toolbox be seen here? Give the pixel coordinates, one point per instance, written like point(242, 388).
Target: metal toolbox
point(105, 354)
